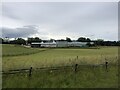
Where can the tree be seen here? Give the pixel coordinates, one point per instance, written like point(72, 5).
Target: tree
point(29, 40)
point(62, 40)
point(99, 42)
point(68, 39)
point(88, 40)
point(88, 44)
point(81, 39)
point(20, 41)
point(36, 39)
point(52, 40)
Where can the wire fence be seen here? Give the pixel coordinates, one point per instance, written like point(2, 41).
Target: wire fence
point(74, 67)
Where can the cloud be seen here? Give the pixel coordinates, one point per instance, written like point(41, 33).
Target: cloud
point(24, 31)
point(61, 19)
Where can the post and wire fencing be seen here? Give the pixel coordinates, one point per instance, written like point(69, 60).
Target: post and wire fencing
point(75, 68)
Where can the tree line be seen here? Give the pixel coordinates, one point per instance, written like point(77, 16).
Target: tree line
point(21, 41)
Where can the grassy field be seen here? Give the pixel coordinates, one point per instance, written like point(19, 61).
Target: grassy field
point(55, 57)
point(86, 77)
point(16, 50)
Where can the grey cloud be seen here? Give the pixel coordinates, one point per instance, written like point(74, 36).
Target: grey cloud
point(24, 31)
point(57, 12)
point(78, 18)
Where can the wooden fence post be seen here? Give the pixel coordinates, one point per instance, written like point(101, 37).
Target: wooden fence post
point(30, 72)
point(76, 65)
point(106, 65)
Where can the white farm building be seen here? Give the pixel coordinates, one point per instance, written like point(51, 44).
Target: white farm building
point(59, 44)
point(42, 44)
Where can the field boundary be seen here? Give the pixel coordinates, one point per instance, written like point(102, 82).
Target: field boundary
point(73, 67)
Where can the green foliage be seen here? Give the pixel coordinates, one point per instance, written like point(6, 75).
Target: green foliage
point(20, 41)
point(83, 39)
point(99, 42)
point(36, 39)
point(68, 39)
point(88, 44)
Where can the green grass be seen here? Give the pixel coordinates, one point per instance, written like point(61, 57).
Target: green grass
point(86, 77)
point(17, 50)
point(58, 57)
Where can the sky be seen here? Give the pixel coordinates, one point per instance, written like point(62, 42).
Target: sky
point(58, 20)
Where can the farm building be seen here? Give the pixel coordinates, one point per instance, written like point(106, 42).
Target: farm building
point(48, 44)
point(77, 44)
point(59, 44)
point(42, 44)
point(35, 44)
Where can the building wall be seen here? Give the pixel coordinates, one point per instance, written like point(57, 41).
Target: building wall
point(48, 45)
point(35, 45)
point(61, 44)
point(77, 44)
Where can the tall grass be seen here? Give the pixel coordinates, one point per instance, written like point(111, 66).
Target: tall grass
point(58, 57)
point(86, 77)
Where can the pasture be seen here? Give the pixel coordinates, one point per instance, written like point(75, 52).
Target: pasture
point(17, 50)
point(19, 57)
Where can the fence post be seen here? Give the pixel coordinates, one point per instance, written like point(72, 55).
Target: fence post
point(106, 65)
point(76, 67)
point(30, 72)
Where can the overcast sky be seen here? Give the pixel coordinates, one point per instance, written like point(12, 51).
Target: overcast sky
point(60, 20)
